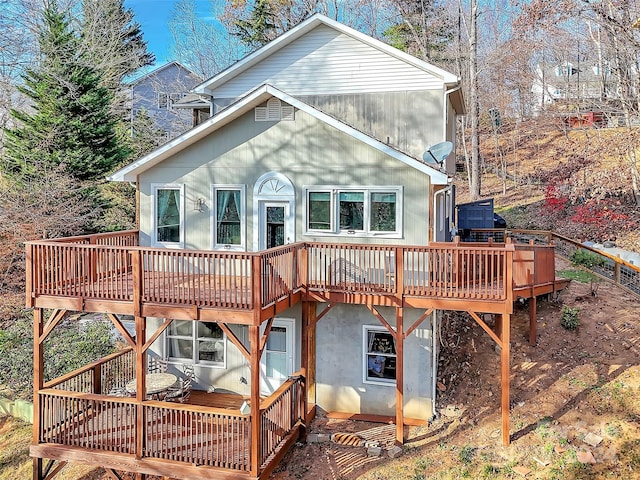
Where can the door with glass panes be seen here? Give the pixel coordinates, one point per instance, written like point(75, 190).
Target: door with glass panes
point(274, 227)
point(277, 362)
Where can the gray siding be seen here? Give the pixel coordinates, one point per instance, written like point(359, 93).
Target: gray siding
point(325, 61)
point(307, 151)
point(173, 79)
point(409, 121)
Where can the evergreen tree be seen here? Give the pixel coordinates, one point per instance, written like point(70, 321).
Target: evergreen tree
point(259, 27)
point(70, 122)
point(424, 29)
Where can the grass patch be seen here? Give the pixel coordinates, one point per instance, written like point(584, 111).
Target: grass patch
point(15, 438)
point(581, 276)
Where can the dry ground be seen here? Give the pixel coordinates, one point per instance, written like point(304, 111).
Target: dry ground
point(570, 385)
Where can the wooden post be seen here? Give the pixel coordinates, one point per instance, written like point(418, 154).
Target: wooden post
point(497, 325)
point(399, 272)
point(38, 381)
point(256, 440)
point(304, 363)
point(533, 325)
point(29, 286)
point(141, 387)
point(505, 370)
point(308, 361)
point(256, 271)
point(399, 375)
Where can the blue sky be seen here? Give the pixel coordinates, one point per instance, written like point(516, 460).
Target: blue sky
point(153, 16)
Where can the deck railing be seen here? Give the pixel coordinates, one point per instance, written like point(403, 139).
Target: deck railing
point(98, 377)
point(611, 267)
point(279, 415)
point(99, 268)
point(87, 421)
point(444, 270)
point(198, 435)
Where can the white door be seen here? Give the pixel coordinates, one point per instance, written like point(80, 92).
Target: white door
point(277, 362)
point(275, 224)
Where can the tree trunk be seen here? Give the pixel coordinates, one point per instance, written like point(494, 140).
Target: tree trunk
point(476, 180)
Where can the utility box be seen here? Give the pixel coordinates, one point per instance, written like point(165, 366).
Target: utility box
point(474, 215)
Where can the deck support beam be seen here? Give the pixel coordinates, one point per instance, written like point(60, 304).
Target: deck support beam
point(308, 360)
point(399, 375)
point(38, 380)
point(533, 326)
point(254, 458)
point(505, 371)
point(141, 387)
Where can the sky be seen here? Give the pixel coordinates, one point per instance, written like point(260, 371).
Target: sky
point(153, 16)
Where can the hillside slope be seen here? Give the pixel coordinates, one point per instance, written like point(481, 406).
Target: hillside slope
point(574, 181)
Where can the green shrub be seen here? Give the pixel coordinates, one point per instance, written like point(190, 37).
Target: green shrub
point(466, 454)
point(587, 259)
point(71, 345)
point(570, 318)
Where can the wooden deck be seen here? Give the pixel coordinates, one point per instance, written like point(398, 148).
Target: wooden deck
point(209, 437)
point(248, 288)
point(206, 434)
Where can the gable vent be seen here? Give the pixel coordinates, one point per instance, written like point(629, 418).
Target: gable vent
point(274, 111)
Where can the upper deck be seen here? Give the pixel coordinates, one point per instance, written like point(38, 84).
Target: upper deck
point(113, 273)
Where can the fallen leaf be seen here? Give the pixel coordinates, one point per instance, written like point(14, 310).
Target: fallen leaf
point(524, 471)
point(585, 457)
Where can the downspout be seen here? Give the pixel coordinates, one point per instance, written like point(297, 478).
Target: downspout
point(434, 363)
point(436, 221)
point(446, 111)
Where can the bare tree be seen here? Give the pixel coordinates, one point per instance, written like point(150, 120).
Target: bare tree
point(202, 44)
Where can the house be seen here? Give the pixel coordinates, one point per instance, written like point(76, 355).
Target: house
point(293, 249)
point(582, 84)
point(157, 94)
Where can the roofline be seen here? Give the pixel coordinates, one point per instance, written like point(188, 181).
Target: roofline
point(302, 28)
point(254, 98)
point(157, 70)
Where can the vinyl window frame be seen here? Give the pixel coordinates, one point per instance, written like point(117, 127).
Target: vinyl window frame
point(155, 188)
point(195, 340)
point(388, 382)
point(242, 246)
point(367, 231)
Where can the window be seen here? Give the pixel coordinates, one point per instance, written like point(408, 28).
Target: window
point(168, 215)
point(166, 100)
point(351, 210)
point(379, 355)
point(319, 210)
point(354, 211)
point(229, 210)
point(201, 343)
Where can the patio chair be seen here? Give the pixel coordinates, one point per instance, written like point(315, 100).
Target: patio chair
point(181, 391)
point(157, 365)
point(118, 392)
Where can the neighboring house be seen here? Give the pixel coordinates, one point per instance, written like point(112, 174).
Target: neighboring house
point(292, 250)
point(575, 84)
point(157, 93)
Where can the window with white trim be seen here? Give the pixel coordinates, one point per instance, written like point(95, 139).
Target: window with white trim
point(168, 215)
point(379, 355)
point(229, 216)
point(359, 211)
point(202, 343)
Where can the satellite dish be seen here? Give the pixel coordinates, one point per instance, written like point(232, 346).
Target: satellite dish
point(438, 153)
